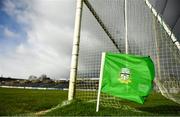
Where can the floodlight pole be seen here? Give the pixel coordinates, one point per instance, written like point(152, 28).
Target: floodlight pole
point(125, 21)
point(75, 50)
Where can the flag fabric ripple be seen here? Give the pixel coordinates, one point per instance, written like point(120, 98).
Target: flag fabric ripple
point(128, 76)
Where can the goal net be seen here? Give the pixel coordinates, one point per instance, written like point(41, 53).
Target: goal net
point(103, 30)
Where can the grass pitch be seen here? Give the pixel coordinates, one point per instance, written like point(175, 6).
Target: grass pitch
point(155, 105)
point(29, 102)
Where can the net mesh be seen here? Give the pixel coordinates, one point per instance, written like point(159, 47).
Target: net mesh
point(146, 36)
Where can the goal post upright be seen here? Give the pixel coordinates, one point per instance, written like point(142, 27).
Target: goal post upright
point(75, 49)
point(125, 20)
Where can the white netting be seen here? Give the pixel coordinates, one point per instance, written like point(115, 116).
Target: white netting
point(103, 31)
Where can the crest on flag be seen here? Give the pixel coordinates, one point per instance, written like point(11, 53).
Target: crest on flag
point(125, 76)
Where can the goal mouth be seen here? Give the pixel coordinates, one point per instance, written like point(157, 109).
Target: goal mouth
point(103, 30)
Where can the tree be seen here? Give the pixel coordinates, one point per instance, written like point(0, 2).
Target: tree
point(32, 77)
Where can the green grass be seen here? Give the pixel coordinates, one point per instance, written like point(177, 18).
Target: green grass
point(25, 101)
point(28, 102)
point(155, 105)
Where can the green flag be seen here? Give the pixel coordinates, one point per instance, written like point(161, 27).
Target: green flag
point(127, 76)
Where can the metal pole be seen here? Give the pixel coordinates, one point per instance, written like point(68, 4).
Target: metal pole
point(161, 21)
point(125, 15)
point(75, 50)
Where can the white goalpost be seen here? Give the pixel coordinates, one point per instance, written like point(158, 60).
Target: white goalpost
point(75, 51)
point(126, 35)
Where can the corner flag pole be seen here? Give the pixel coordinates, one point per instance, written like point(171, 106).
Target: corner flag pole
point(125, 20)
point(100, 81)
point(75, 50)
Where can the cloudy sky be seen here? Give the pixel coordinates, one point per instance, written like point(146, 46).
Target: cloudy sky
point(36, 37)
